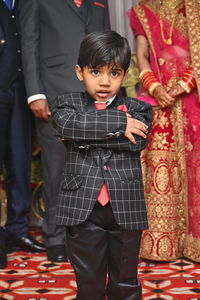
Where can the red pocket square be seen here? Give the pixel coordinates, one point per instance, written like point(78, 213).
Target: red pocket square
point(99, 4)
point(122, 107)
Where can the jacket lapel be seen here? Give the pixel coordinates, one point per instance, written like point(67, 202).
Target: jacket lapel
point(15, 5)
point(115, 102)
point(89, 103)
point(105, 154)
point(73, 6)
point(88, 4)
point(4, 6)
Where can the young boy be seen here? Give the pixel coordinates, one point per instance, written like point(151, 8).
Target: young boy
point(101, 199)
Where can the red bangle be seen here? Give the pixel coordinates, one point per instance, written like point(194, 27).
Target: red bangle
point(149, 81)
point(190, 81)
point(146, 79)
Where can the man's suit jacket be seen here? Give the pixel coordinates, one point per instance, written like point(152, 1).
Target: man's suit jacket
point(10, 61)
point(98, 152)
point(51, 32)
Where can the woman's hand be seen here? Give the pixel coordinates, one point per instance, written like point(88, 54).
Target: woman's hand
point(176, 90)
point(163, 98)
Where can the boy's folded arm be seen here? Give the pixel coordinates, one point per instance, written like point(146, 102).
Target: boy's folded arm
point(71, 124)
point(118, 141)
point(142, 113)
point(121, 144)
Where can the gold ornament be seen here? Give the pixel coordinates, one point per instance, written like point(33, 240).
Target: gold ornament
point(173, 4)
point(168, 7)
point(169, 40)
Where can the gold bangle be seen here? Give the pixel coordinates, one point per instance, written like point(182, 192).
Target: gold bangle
point(184, 86)
point(153, 87)
point(144, 72)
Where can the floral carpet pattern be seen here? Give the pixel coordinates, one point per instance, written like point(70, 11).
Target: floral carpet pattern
point(32, 277)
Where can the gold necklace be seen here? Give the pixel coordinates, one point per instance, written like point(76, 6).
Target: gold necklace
point(166, 7)
point(169, 40)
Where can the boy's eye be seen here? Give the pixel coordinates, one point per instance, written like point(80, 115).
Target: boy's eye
point(115, 73)
point(95, 72)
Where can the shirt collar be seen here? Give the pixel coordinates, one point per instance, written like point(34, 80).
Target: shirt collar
point(108, 102)
point(13, 3)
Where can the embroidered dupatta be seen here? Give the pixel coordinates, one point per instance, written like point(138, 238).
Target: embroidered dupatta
point(170, 161)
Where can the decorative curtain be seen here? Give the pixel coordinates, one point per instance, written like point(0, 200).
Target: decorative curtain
point(119, 20)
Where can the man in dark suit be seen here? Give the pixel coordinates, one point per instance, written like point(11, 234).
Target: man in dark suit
point(101, 198)
point(15, 134)
point(51, 32)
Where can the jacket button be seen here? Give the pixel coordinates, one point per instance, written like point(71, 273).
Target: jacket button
point(110, 135)
point(118, 134)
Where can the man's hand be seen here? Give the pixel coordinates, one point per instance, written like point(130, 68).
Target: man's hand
point(40, 108)
point(163, 98)
point(135, 126)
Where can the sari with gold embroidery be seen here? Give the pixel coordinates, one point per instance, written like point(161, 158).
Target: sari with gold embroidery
point(171, 162)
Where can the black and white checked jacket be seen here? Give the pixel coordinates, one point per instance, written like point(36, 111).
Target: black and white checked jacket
point(98, 152)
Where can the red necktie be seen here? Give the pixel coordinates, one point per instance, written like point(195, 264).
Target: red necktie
point(78, 2)
point(103, 197)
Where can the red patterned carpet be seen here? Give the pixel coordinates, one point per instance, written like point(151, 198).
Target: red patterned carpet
point(32, 277)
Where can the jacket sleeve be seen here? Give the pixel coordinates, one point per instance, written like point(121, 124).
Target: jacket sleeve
point(73, 122)
point(101, 128)
point(120, 144)
point(29, 29)
point(138, 110)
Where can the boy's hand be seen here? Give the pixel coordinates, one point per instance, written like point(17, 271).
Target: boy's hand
point(135, 126)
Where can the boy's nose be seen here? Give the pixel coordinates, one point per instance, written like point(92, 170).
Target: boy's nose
point(105, 80)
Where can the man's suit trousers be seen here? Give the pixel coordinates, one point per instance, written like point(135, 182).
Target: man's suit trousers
point(53, 158)
point(15, 155)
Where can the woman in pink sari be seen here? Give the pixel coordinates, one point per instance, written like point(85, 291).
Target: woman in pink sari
point(168, 55)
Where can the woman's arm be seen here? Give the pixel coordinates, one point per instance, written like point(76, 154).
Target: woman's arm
point(142, 52)
point(184, 85)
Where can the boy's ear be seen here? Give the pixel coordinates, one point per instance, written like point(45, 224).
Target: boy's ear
point(79, 72)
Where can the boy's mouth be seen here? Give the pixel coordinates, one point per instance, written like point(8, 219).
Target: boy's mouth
point(102, 94)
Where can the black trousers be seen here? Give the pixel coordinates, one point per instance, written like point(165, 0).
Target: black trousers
point(104, 257)
point(15, 155)
point(52, 159)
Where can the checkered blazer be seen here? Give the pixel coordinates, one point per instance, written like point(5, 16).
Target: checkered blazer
point(97, 153)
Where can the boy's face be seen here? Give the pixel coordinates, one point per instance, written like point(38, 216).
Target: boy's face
point(101, 83)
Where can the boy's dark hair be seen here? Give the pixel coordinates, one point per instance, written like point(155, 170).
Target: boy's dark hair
point(103, 48)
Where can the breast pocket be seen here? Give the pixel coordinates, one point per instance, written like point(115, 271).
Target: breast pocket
point(72, 182)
